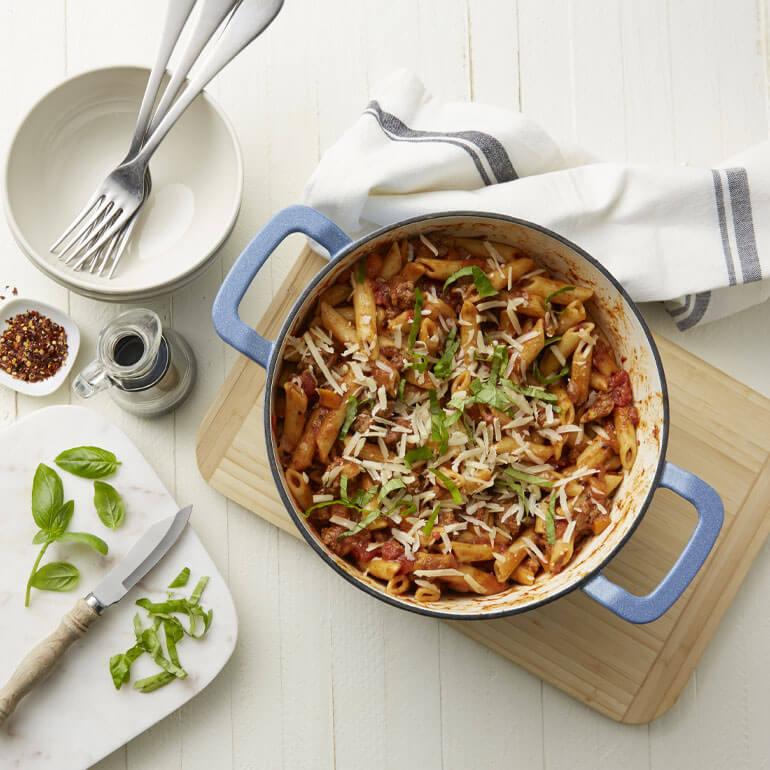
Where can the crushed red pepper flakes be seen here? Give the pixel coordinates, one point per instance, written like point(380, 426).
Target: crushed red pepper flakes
point(32, 347)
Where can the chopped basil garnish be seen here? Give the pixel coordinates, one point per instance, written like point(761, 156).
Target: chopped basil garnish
point(391, 486)
point(549, 298)
point(563, 372)
point(550, 522)
point(450, 486)
point(429, 524)
point(532, 392)
point(417, 455)
point(163, 615)
point(483, 284)
point(351, 410)
point(527, 478)
point(438, 427)
point(419, 299)
point(443, 367)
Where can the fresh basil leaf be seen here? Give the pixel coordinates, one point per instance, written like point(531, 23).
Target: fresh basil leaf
point(154, 682)
point(351, 410)
point(61, 520)
point(89, 462)
point(417, 455)
point(419, 299)
point(419, 362)
point(120, 665)
point(449, 485)
point(181, 579)
point(165, 610)
point(550, 520)
point(483, 284)
point(401, 386)
point(56, 576)
point(443, 367)
point(42, 536)
point(527, 478)
point(429, 524)
point(438, 429)
point(200, 587)
point(85, 538)
point(47, 496)
point(109, 504)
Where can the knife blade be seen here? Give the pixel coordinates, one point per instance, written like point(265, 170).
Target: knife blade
point(151, 547)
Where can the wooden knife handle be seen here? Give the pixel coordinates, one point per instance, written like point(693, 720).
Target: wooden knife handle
point(42, 658)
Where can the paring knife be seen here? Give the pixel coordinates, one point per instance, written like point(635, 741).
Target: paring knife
point(151, 547)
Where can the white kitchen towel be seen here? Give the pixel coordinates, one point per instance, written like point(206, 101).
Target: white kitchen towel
point(695, 238)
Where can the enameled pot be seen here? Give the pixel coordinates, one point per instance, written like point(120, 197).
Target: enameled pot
point(611, 308)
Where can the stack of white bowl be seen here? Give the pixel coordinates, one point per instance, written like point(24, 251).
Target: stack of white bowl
point(75, 135)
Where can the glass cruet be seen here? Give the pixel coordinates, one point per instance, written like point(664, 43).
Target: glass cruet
point(148, 369)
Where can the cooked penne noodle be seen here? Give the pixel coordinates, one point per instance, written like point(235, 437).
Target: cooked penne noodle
point(570, 316)
point(393, 261)
point(336, 295)
point(557, 290)
point(580, 373)
point(337, 325)
point(366, 315)
point(295, 413)
point(625, 430)
point(469, 552)
point(427, 593)
point(300, 488)
point(384, 569)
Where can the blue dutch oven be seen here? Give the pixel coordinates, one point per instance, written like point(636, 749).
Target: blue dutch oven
point(613, 310)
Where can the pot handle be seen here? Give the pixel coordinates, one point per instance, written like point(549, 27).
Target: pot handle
point(224, 313)
point(645, 609)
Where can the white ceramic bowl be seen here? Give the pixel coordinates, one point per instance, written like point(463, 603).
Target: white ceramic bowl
point(19, 305)
point(75, 135)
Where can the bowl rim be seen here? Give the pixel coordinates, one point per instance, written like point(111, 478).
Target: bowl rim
point(276, 469)
point(107, 293)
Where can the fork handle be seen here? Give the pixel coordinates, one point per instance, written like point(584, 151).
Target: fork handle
point(177, 13)
point(208, 19)
point(249, 19)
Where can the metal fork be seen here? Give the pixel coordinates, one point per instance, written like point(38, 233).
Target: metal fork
point(123, 192)
point(86, 228)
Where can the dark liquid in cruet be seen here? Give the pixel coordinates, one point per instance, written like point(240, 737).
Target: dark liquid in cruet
point(128, 350)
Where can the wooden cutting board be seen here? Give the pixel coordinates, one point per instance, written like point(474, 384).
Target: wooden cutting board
point(720, 430)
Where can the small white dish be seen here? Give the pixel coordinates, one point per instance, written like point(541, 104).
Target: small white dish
point(75, 135)
point(18, 305)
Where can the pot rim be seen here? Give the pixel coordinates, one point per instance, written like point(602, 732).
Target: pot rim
point(276, 469)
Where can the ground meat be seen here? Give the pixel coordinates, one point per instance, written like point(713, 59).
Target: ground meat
point(395, 357)
point(392, 437)
point(381, 290)
point(602, 407)
point(352, 545)
point(391, 550)
point(362, 422)
point(620, 388)
point(402, 295)
point(308, 382)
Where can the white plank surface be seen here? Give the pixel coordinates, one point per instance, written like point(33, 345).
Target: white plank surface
point(323, 677)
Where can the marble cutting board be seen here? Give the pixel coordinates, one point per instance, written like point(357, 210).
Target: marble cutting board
point(77, 717)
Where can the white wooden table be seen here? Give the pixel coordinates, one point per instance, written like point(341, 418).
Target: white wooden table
point(322, 676)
